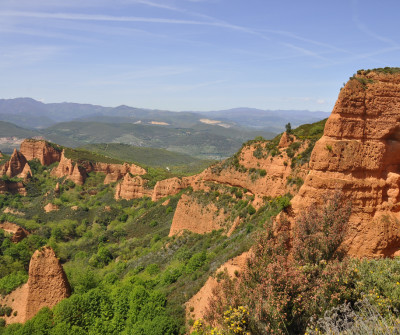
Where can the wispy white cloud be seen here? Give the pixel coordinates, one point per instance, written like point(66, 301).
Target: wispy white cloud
point(21, 55)
point(364, 28)
point(110, 18)
point(46, 34)
point(307, 40)
point(305, 51)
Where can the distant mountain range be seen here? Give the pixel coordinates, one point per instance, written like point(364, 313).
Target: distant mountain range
point(29, 113)
point(206, 135)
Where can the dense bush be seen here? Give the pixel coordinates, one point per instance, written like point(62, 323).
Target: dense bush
point(282, 292)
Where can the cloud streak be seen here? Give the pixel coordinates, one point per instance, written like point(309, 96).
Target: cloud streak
point(109, 18)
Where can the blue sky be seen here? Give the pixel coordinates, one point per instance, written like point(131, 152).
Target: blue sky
point(193, 54)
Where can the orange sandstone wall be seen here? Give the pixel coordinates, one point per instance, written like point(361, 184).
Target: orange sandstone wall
point(131, 188)
point(359, 154)
point(41, 150)
point(198, 218)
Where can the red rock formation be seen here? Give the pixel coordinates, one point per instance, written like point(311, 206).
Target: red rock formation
point(198, 218)
point(50, 207)
point(26, 172)
point(12, 187)
point(285, 140)
point(47, 283)
point(168, 187)
point(113, 172)
point(131, 188)
point(359, 155)
point(277, 170)
point(73, 171)
point(41, 150)
point(18, 233)
point(15, 165)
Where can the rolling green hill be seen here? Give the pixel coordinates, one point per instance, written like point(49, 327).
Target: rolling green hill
point(202, 141)
point(154, 157)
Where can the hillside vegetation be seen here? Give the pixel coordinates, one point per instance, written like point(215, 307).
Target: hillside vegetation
point(129, 277)
point(175, 162)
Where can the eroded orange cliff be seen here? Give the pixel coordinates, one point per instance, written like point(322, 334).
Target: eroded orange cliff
point(42, 150)
point(132, 187)
point(359, 155)
point(113, 172)
point(70, 170)
point(197, 217)
point(15, 165)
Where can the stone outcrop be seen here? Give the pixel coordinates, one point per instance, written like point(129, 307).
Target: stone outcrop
point(196, 217)
point(12, 187)
point(15, 165)
point(47, 285)
point(73, 171)
point(50, 207)
point(26, 172)
point(274, 183)
point(18, 233)
point(132, 187)
point(359, 156)
point(285, 140)
point(113, 172)
point(46, 153)
point(168, 187)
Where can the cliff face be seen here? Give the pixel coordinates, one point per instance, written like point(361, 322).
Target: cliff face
point(41, 150)
point(168, 187)
point(66, 168)
point(254, 168)
point(262, 170)
point(260, 173)
point(114, 172)
point(131, 188)
point(359, 155)
point(196, 217)
point(15, 165)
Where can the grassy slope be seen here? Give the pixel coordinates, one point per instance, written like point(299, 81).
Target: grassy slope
point(150, 156)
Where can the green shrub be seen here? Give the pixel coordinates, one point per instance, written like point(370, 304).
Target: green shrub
point(153, 269)
point(12, 281)
point(196, 262)
point(282, 292)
